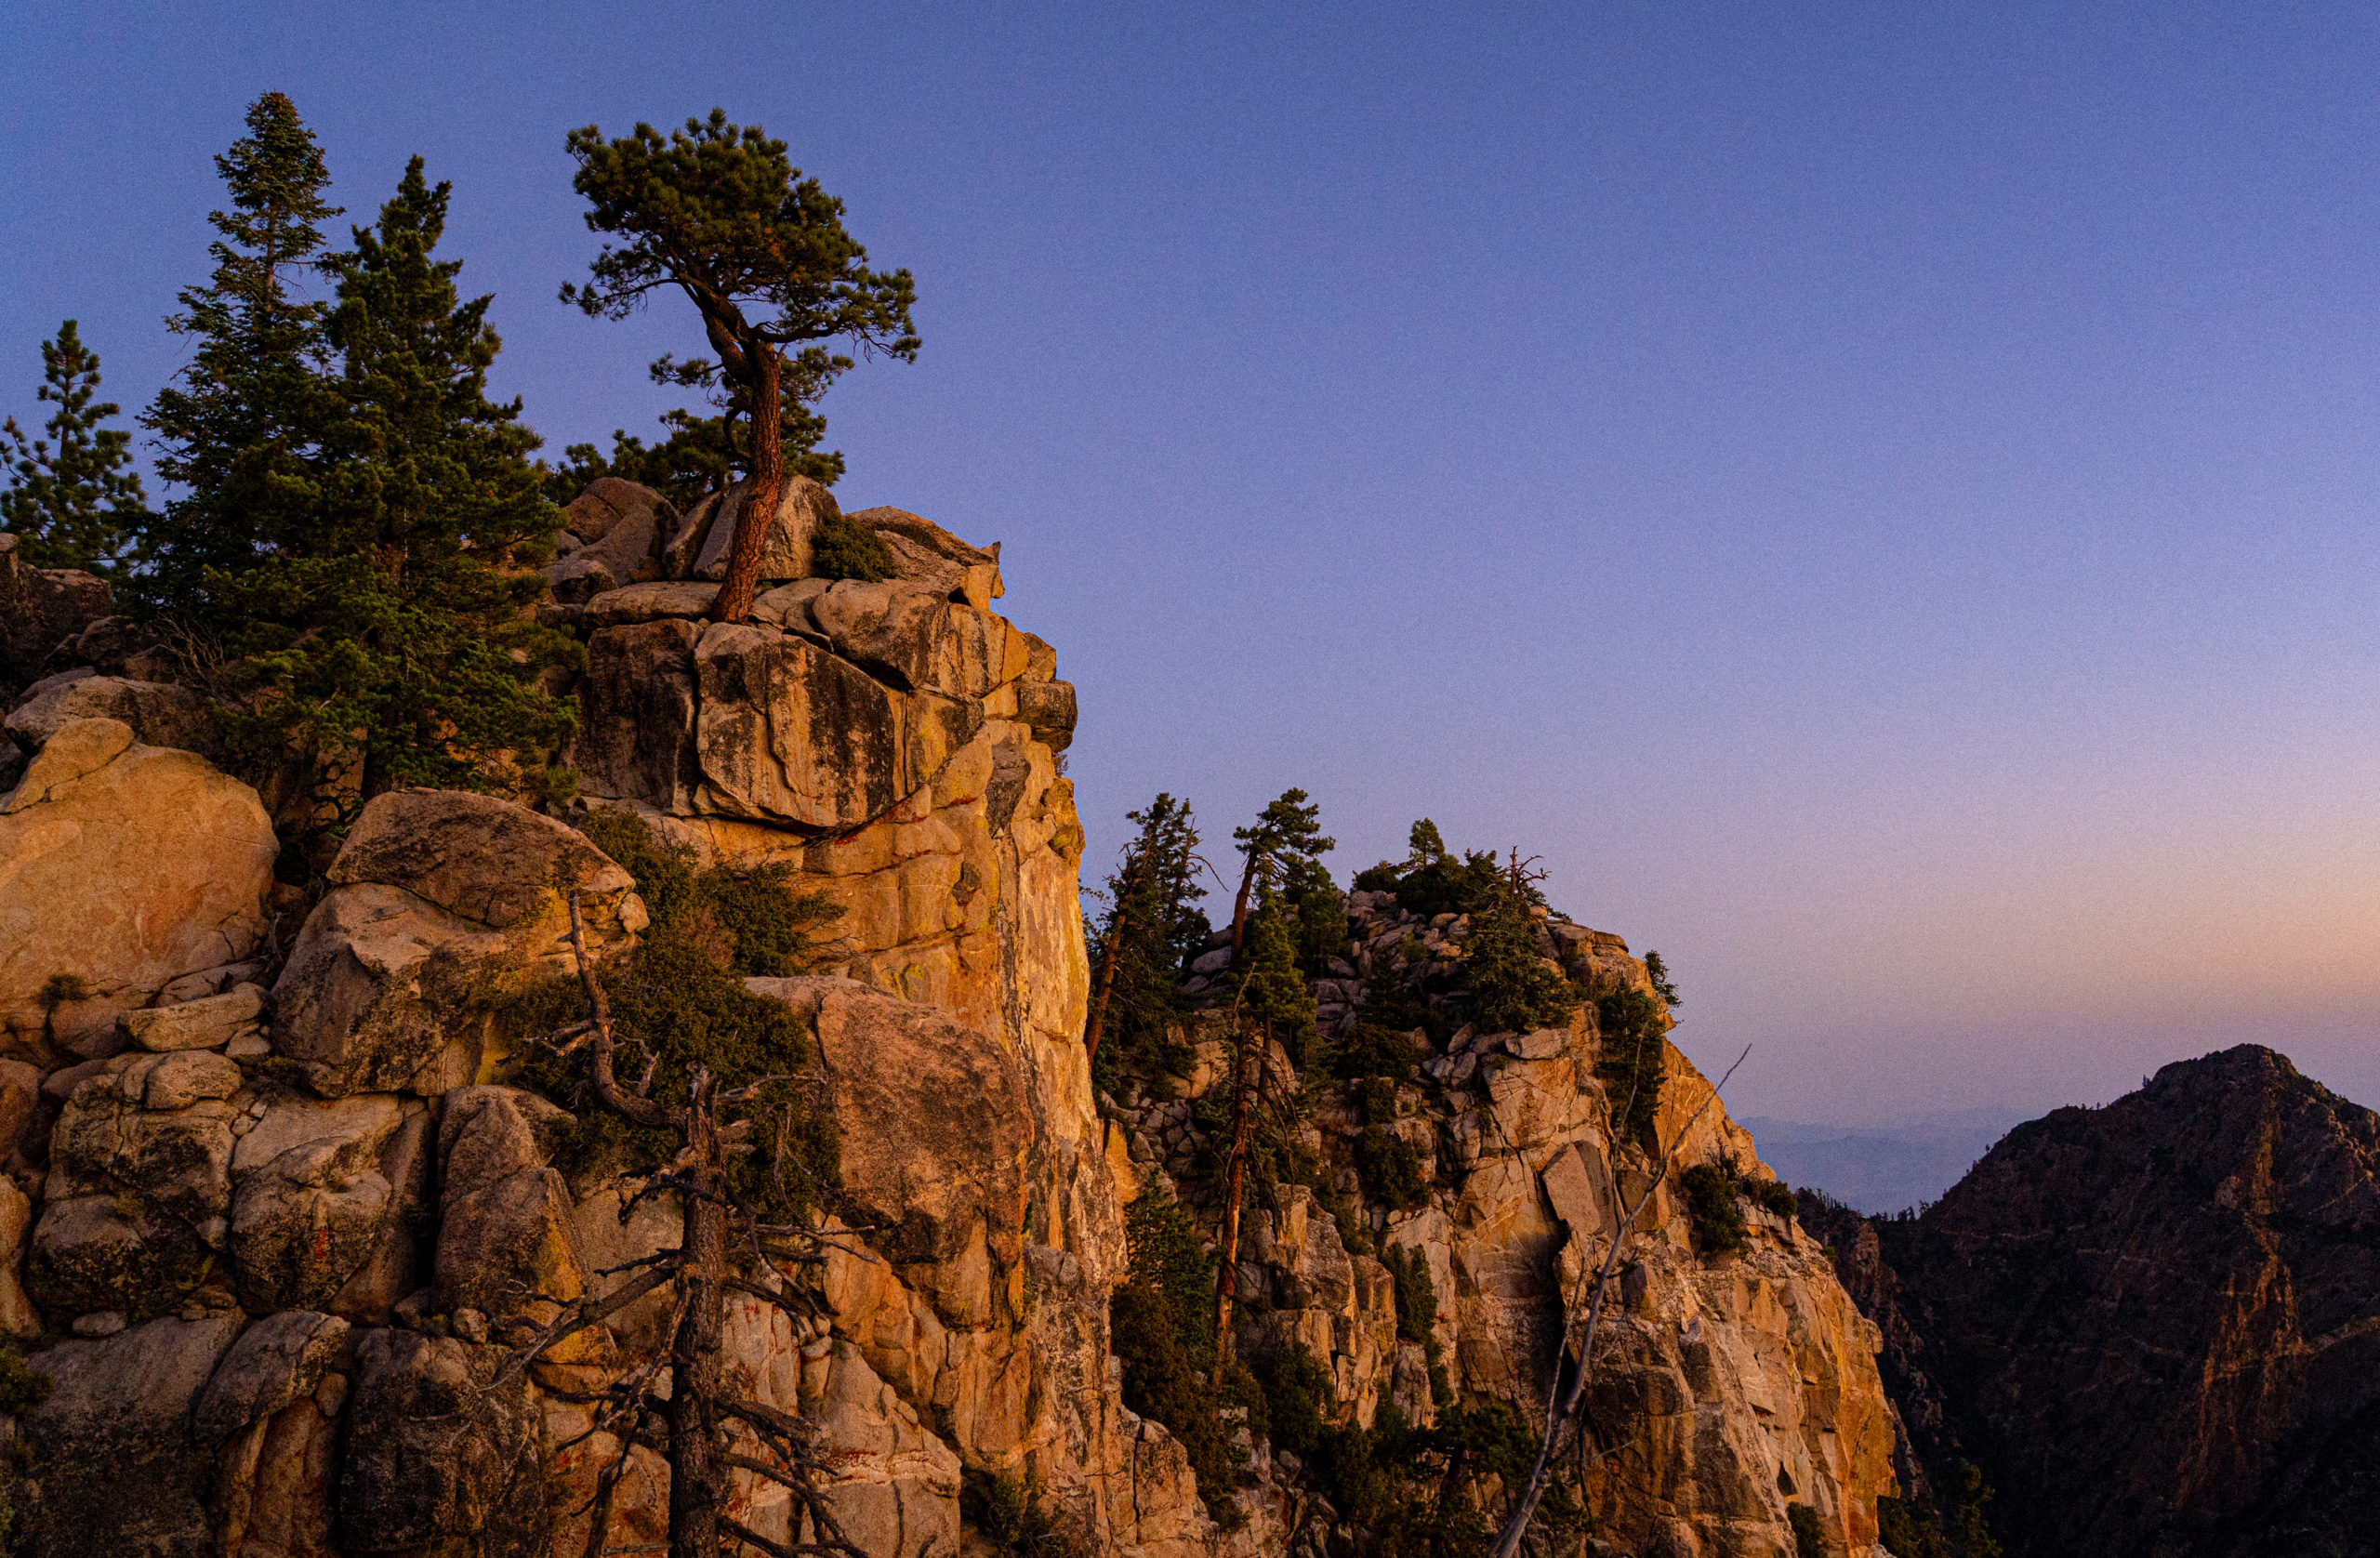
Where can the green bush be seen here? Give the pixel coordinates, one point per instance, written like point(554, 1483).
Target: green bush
point(1633, 1060)
point(1512, 988)
point(1008, 1514)
point(1772, 1195)
point(1159, 1383)
point(1165, 1255)
point(1416, 1299)
point(22, 1388)
point(681, 999)
point(1373, 1050)
point(1390, 1168)
point(1904, 1532)
point(843, 548)
point(1298, 1398)
point(1710, 1191)
point(1809, 1532)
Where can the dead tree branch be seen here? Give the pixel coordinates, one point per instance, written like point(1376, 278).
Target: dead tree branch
point(1560, 1415)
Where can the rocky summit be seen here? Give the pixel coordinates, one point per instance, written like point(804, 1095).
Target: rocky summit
point(2148, 1326)
point(286, 1186)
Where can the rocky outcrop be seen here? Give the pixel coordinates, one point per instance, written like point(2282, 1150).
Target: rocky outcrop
point(442, 905)
point(41, 609)
point(296, 1204)
point(159, 713)
point(123, 867)
point(2152, 1324)
point(1732, 1385)
point(114, 1461)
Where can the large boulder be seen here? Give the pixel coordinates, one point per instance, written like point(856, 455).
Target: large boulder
point(41, 609)
point(505, 1244)
point(374, 985)
point(125, 866)
point(636, 698)
point(271, 1405)
point(159, 713)
point(473, 855)
point(318, 1187)
point(139, 1181)
point(443, 903)
point(619, 527)
point(930, 555)
point(916, 637)
point(801, 507)
point(437, 1460)
point(936, 1129)
point(115, 1466)
point(893, 1486)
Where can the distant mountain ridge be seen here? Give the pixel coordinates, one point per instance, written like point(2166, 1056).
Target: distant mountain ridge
point(2154, 1325)
point(1885, 1168)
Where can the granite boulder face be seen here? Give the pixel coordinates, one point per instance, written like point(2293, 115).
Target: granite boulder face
point(441, 903)
point(2152, 1324)
point(123, 867)
point(41, 610)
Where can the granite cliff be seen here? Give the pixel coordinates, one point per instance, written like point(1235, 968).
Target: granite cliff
point(277, 1188)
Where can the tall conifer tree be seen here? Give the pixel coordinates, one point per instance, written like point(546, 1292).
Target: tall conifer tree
point(388, 624)
point(73, 498)
point(239, 431)
point(1154, 925)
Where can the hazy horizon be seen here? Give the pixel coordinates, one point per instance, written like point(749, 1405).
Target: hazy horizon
point(1880, 501)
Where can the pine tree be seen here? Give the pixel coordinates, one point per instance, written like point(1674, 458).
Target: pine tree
point(1283, 834)
point(1513, 986)
point(1153, 928)
point(717, 211)
point(73, 498)
point(240, 428)
point(395, 605)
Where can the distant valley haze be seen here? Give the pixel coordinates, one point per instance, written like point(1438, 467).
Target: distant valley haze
point(1881, 501)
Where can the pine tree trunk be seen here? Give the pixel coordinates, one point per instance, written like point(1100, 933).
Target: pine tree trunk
point(760, 510)
point(1107, 956)
point(1236, 1171)
point(698, 1483)
point(1240, 907)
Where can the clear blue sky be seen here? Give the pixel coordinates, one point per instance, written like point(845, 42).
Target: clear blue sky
point(1880, 497)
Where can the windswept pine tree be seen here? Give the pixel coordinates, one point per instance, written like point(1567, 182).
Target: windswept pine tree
point(73, 498)
point(719, 212)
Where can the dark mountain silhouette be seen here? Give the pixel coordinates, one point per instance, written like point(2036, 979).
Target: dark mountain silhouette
point(2155, 1326)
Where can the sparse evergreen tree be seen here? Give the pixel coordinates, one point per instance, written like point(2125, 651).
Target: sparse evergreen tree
point(240, 428)
point(73, 498)
point(717, 211)
point(1154, 925)
point(388, 623)
point(1284, 835)
point(1512, 986)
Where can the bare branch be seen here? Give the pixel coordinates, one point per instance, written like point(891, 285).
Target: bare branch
point(1559, 1421)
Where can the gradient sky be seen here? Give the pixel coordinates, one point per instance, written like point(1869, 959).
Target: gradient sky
point(1880, 497)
